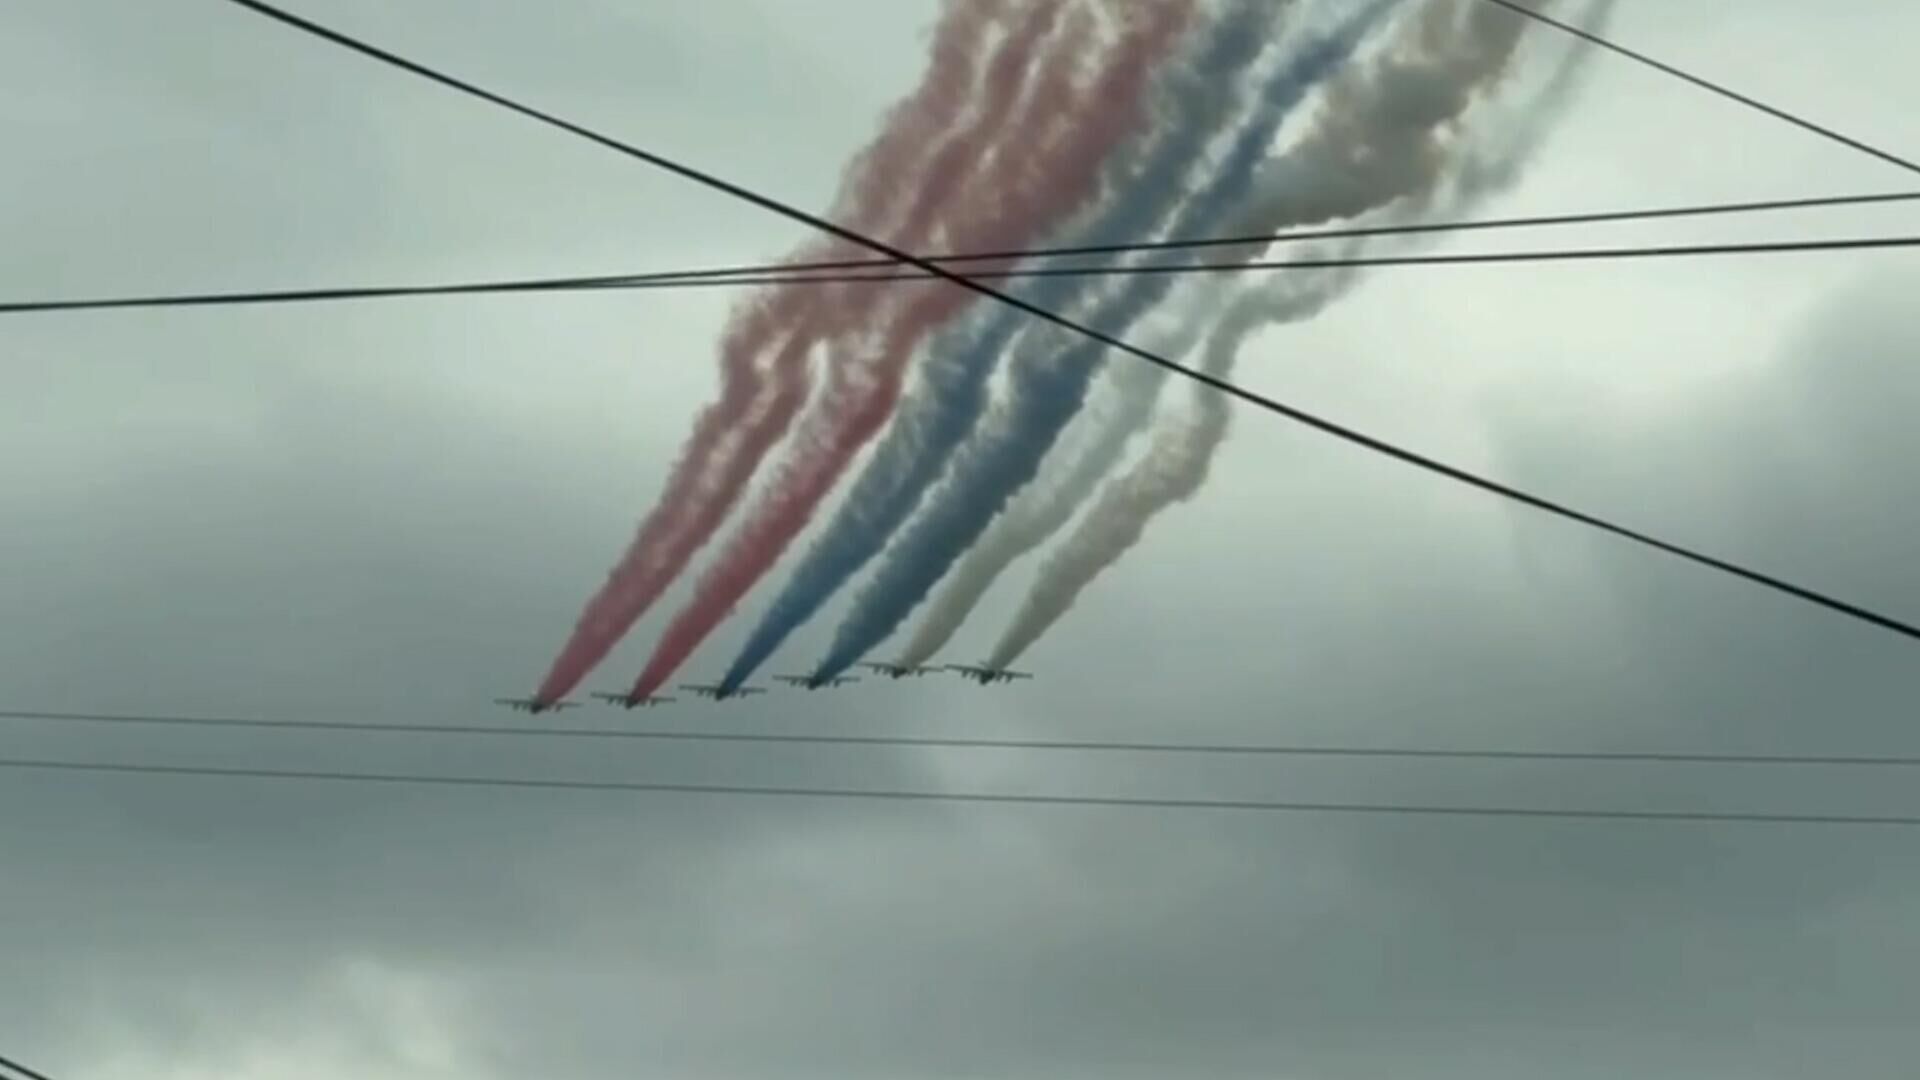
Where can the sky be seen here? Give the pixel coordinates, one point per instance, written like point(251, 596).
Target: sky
point(390, 512)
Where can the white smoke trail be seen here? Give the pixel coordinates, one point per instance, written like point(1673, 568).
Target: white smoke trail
point(1380, 136)
point(1051, 502)
point(1177, 464)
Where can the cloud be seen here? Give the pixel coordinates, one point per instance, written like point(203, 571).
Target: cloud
point(711, 938)
point(277, 512)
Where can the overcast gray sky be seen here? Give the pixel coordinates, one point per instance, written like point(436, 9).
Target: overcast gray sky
point(392, 511)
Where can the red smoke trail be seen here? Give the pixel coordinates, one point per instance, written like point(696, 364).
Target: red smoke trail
point(836, 312)
point(735, 432)
point(1043, 169)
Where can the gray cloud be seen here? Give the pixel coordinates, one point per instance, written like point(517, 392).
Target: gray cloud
point(391, 511)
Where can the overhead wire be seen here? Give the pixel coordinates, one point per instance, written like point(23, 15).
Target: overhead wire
point(1708, 85)
point(8, 1063)
point(1302, 416)
point(843, 270)
point(956, 742)
point(918, 796)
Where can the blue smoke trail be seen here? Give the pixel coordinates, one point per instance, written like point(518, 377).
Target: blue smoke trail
point(935, 420)
point(1043, 509)
point(1047, 394)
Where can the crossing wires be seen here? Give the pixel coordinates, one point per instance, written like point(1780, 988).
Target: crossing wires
point(877, 270)
point(1339, 431)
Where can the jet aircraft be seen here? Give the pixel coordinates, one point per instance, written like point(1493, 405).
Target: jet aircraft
point(721, 693)
point(629, 701)
point(815, 682)
point(534, 705)
point(986, 676)
point(898, 671)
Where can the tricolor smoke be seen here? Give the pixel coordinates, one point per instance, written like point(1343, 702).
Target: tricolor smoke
point(1378, 137)
point(1090, 450)
point(1031, 170)
point(1177, 464)
point(1050, 382)
point(735, 431)
point(1190, 103)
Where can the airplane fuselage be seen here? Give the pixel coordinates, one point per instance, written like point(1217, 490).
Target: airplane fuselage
point(988, 676)
point(809, 683)
point(721, 693)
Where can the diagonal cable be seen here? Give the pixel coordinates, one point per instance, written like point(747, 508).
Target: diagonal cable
point(6, 1063)
point(1340, 431)
point(1710, 86)
point(839, 271)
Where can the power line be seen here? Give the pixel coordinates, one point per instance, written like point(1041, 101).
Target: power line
point(1340, 431)
point(941, 742)
point(23, 1070)
point(1764, 247)
point(903, 795)
point(694, 279)
point(839, 271)
point(1711, 87)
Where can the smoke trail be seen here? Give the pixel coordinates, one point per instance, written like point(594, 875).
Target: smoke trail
point(1177, 465)
point(1174, 467)
point(1042, 168)
point(1189, 103)
point(1374, 140)
point(1046, 506)
point(1048, 389)
point(764, 350)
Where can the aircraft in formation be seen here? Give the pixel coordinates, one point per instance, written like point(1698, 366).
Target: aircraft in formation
point(898, 671)
point(629, 700)
point(535, 705)
point(985, 676)
point(815, 682)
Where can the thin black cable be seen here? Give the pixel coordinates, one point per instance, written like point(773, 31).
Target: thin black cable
point(876, 794)
point(23, 1070)
point(694, 279)
point(814, 272)
point(1707, 85)
point(942, 742)
point(1301, 416)
point(1668, 251)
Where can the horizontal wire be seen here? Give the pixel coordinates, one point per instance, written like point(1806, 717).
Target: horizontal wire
point(901, 795)
point(962, 743)
point(844, 271)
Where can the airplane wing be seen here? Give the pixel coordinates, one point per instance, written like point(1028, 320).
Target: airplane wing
point(1018, 675)
point(750, 690)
